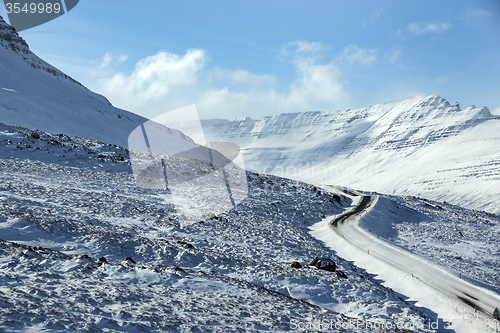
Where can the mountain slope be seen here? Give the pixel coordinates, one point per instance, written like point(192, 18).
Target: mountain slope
point(82, 248)
point(419, 146)
point(36, 95)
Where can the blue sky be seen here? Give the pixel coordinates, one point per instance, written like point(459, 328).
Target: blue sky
point(256, 58)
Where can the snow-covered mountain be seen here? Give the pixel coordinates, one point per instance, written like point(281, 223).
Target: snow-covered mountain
point(84, 248)
point(419, 146)
point(36, 95)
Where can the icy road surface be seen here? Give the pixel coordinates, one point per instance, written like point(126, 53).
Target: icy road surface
point(458, 303)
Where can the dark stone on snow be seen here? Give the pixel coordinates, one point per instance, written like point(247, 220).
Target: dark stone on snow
point(102, 259)
point(35, 136)
point(341, 274)
point(325, 264)
point(296, 264)
point(337, 198)
point(460, 234)
point(313, 263)
point(85, 257)
point(130, 260)
point(176, 268)
point(186, 245)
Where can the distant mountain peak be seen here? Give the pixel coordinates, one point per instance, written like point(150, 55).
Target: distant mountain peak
point(436, 99)
point(10, 39)
point(421, 146)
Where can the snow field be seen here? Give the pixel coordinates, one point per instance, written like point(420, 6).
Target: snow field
point(229, 273)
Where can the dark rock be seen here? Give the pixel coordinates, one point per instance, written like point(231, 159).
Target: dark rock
point(35, 136)
point(85, 257)
point(341, 274)
point(176, 268)
point(460, 234)
point(296, 264)
point(186, 245)
point(458, 258)
point(130, 260)
point(102, 259)
point(325, 264)
point(313, 263)
point(337, 198)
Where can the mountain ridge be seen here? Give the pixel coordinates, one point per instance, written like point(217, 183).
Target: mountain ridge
point(455, 108)
point(417, 146)
point(10, 39)
point(36, 95)
point(402, 147)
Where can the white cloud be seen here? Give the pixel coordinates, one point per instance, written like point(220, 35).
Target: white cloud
point(421, 28)
point(154, 77)
point(302, 48)
point(121, 59)
point(374, 16)
point(243, 77)
point(395, 54)
point(167, 81)
point(496, 111)
point(316, 87)
point(108, 59)
point(316, 82)
point(352, 54)
point(475, 17)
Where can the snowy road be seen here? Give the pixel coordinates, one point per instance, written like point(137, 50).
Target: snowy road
point(439, 279)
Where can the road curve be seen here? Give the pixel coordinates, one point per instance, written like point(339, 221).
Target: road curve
point(439, 278)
